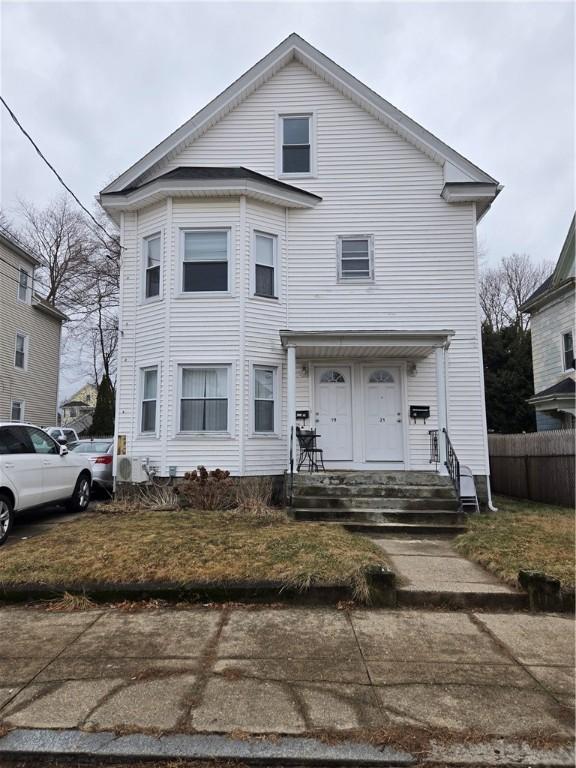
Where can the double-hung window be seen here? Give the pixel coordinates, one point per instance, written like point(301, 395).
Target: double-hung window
point(264, 399)
point(23, 284)
point(205, 260)
point(355, 258)
point(20, 351)
point(568, 350)
point(149, 399)
point(265, 265)
point(152, 247)
point(296, 144)
point(204, 399)
point(17, 410)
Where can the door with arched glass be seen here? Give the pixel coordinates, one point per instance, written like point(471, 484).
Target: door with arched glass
point(333, 412)
point(383, 414)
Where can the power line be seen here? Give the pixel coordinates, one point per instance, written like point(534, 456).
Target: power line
point(54, 171)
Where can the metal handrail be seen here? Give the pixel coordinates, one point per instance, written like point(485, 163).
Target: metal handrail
point(291, 478)
point(452, 463)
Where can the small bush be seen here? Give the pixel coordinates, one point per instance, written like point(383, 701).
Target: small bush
point(254, 497)
point(207, 490)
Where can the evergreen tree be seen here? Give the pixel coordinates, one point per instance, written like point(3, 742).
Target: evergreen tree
point(103, 421)
point(508, 378)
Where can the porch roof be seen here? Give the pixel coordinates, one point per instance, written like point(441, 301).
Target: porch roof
point(383, 343)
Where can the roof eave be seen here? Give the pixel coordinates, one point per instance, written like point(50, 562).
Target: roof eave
point(547, 296)
point(42, 305)
point(22, 252)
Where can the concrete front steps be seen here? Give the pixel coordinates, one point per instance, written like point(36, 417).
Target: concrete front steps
point(379, 503)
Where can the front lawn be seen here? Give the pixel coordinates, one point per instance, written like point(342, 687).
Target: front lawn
point(190, 547)
point(522, 535)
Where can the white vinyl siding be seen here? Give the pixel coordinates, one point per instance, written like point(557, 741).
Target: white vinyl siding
point(548, 326)
point(371, 181)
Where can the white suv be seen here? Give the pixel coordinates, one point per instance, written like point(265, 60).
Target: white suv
point(35, 470)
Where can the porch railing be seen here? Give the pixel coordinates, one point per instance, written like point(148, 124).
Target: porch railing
point(451, 461)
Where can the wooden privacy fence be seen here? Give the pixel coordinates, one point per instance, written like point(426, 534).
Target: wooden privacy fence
point(538, 466)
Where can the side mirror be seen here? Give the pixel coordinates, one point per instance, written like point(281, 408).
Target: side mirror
point(63, 450)
point(61, 440)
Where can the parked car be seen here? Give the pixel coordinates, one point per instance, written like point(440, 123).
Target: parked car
point(100, 452)
point(36, 471)
point(63, 435)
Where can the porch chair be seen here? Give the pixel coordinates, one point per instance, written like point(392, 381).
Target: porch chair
point(468, 497)
point(309, 451)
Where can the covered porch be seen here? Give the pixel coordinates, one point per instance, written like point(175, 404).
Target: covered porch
point(371, 396)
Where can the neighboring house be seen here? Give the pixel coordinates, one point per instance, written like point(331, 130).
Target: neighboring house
point(552, 309)
point(30, 330)
point(81, 403)
point(299, 252)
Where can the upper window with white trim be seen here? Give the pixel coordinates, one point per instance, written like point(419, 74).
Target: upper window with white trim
point(568, 350)
point(296, 133)
point(23, 285)
point(149, 399)
point(17, 410)
point(205, 260)
point(21, 351)
point(204, 399)
point(355, 258)
point(265, 258)
point(152, 257)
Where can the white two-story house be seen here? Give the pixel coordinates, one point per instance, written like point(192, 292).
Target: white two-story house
point(552, 309)
point(299, 253)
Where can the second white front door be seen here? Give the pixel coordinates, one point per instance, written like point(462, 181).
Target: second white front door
point(333, 412)
point(383, 414)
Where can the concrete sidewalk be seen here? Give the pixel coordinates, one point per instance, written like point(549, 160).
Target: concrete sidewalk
point(287, 671)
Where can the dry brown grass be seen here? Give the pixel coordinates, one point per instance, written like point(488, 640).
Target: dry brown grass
point(522, 535)
point(188, 546)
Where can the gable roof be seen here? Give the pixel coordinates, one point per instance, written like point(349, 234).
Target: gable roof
point(19, 249)
point(294, 48)
point(562, 276)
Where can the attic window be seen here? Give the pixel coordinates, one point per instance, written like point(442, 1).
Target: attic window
point(296, 144)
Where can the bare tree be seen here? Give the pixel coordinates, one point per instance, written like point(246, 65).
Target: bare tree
point(504, 288)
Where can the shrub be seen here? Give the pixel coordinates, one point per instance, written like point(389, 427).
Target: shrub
point(254, 497)
point(207, 490)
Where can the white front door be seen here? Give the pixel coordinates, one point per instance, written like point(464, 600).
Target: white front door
point(383, 414)
point(333, 412)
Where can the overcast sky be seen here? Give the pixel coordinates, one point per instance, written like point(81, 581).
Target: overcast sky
point(100, 83)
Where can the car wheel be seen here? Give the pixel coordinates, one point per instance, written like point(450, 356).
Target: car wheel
point(6, 517)
point(81, 496)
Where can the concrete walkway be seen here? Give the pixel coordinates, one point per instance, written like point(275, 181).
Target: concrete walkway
point(287, 671)
point(429, 566)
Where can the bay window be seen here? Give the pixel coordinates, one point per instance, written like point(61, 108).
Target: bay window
point(265, 265)
point(149, 399)
point(264, 399)
point(204, 399)
point(205, 260)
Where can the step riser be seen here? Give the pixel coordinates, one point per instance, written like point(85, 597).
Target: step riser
point(328, 503)
point(360, 516)
point(371, 478)
point(388, 529)
point(381, 491)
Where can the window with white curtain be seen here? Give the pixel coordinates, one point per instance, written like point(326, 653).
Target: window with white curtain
point(205, 260)
point(265, 265)
point(264, 399)
point(149, 399)
point(204, 399)
point(152, 265)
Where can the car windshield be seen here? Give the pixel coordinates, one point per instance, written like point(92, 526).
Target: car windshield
point(94, 446)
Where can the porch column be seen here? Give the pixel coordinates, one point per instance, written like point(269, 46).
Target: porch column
point(291, 395)
point(442, 405)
